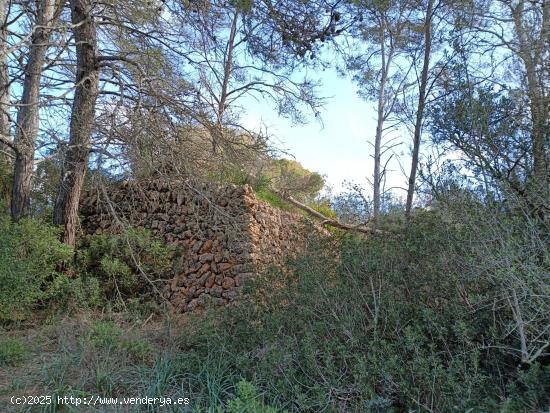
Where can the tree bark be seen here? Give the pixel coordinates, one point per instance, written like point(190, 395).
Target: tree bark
point(421, 106)
point(381, 117)
point(26, 130)
point(82, 120)
point(531, 52)
point(216, 132)
point(6, 162)
point(377, 179)
point(4, 75)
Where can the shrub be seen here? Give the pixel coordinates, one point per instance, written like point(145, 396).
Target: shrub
point(69, 294)
point(248, 400)
point(137, 349)
point(104, 334)
point(120, 261)
point(29, 253)
point(389, 323)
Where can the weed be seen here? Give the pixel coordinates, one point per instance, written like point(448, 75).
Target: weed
point(12, 352)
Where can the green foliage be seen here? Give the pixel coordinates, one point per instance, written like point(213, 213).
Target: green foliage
point(45, 184)
point(278, 175)
point(71, 294)
point(261, 185)
point(399, 323)
point(104, 334)
point(248, 400)
point(107, 267)
point(12, 351)
point(415, 321)
point(137, 349)
point(233, 174)
point(323, 206)
point(29, 253)
point(289, 176)
point(6, 180)
point(272, 199)
point(119, 260)
point(243, 5)
point(140, 309)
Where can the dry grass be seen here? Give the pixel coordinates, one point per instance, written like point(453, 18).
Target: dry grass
point(88, 353)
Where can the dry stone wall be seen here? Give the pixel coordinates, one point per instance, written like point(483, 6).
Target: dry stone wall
point(226, 234)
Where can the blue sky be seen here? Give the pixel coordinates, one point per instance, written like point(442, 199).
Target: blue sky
point(340, 148)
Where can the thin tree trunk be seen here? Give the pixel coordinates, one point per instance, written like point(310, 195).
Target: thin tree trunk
point(82, 120)
point(26, 130)
point(217, 130)
point(377, 178)
point(5, 150)
point(421, 106)
point(377, 155)
point(4, 74)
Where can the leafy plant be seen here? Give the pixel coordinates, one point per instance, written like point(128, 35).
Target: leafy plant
point(137, 349)
point(71, 294)
point(248, 400)
point(29, 254)
point(104, 334)
point(120, 261)
point(388, 322)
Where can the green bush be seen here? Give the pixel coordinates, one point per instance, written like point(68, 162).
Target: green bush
point(389, 323)
point(29, 254)
point(104, 334)
point(12, 351)
point(121, 261)
point(6, 179)
point(70, 294)
point(248, 400)
point(137, 349)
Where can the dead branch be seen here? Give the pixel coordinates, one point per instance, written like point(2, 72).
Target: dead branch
point(325, 221)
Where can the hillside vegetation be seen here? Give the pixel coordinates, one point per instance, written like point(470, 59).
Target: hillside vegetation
point(425, 284)
point(445, 315)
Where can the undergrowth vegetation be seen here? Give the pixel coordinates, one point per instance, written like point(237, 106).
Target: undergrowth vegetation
point(126, 264)
point(29, 254)
point(39, 273)
point(425, 320)
point(416, 322)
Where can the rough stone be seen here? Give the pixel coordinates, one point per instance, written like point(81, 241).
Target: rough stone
point(225, 233)
point(228, 283)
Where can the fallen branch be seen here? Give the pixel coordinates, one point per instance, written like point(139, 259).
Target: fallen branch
point(329, 221)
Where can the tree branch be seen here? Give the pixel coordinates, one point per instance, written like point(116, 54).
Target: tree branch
point(329, 221)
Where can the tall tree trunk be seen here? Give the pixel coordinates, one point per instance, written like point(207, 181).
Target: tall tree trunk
point(4, 74)
point(26, 130)
point(421, 106)
point(217, 135)
point(377, 179)
point(6, 163)
point(531, 52)
point(381, 117)
point(82, 119)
